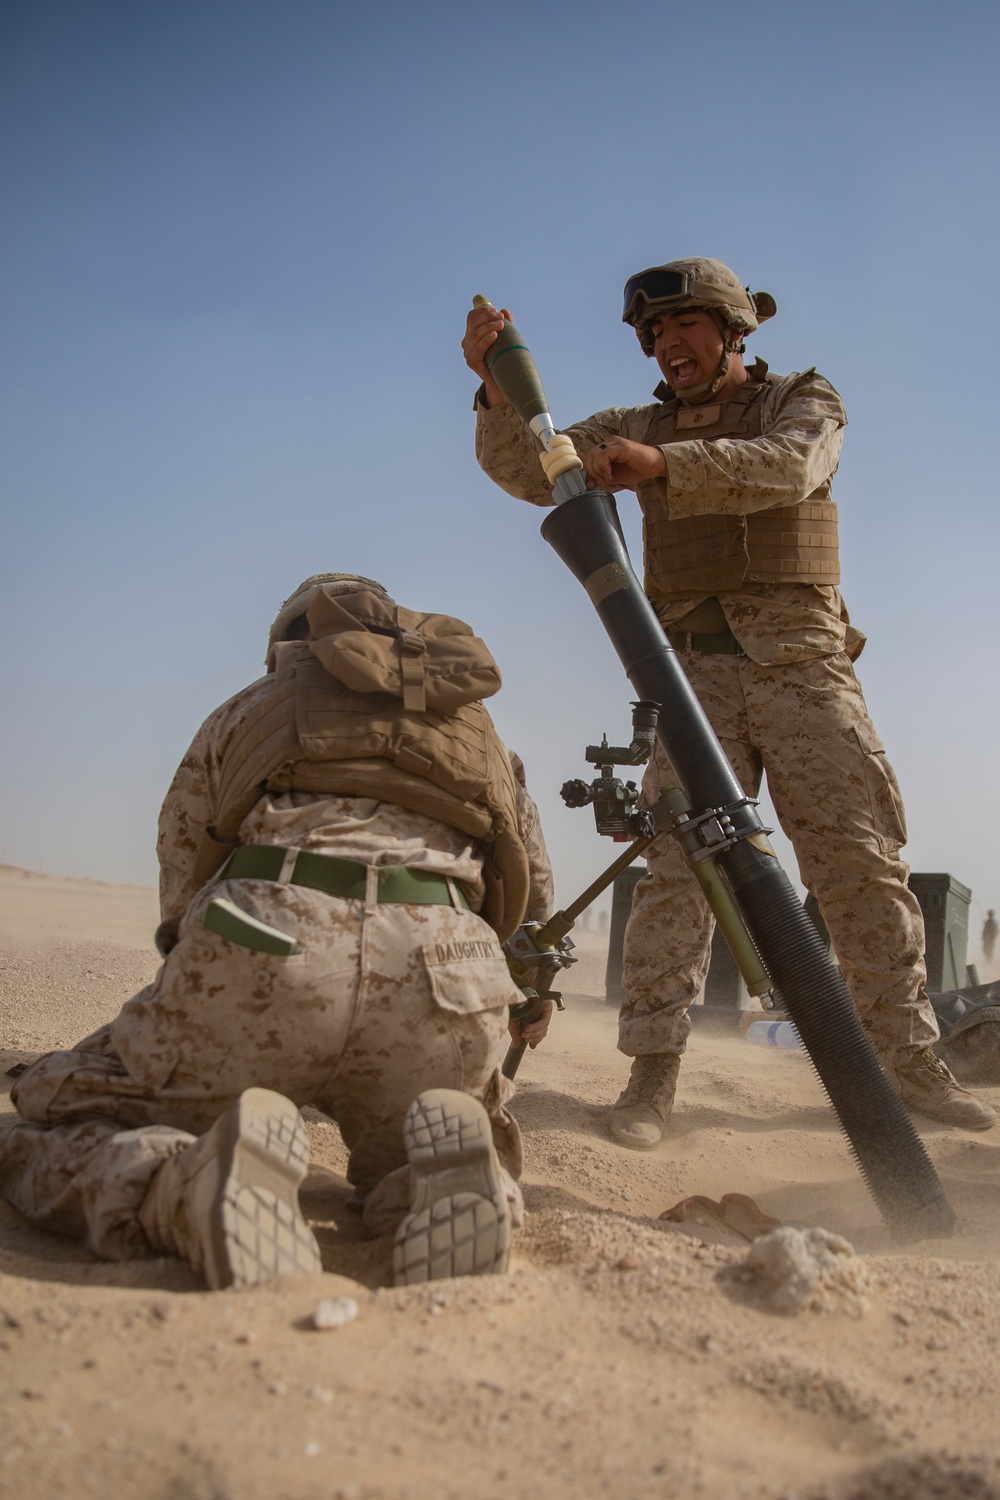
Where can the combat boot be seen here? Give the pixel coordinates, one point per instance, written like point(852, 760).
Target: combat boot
point(927, 1085)
point(388, 1203)
point(459, 1223)
point(638, 1117)
point(229, 1204)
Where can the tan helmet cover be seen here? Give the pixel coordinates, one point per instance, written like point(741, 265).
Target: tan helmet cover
point(299, 601)
point(711, 285)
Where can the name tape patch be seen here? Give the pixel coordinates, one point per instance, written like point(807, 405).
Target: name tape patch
point(466, 948)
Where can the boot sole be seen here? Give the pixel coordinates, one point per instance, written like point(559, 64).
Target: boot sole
point(255, 1226)
point(459, 1221)
point(632, 1142)
point(976, 1123)
point(626, 1133)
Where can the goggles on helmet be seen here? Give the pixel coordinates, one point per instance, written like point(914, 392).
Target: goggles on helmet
point(657, 285)
point(660, 286)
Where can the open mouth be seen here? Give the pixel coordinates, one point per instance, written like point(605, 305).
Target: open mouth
point(683, 371)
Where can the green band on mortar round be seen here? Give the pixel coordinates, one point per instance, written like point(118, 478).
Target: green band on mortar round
point(509, 350)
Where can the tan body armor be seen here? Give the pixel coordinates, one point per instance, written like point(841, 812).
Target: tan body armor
point(313, 733)
point(713, 553)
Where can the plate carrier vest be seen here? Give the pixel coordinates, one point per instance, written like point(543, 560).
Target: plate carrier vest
point(709, 554)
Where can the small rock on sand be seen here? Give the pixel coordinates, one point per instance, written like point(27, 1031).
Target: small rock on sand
point(334, 1312)
point(805, 1270)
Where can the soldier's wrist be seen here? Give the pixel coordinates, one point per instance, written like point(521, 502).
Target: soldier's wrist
point(488, 397)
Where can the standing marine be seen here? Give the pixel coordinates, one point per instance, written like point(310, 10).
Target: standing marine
point(733, 466)
point(343, 849)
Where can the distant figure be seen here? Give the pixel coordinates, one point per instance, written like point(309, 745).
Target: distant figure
point(602, 922)
point(991, 929)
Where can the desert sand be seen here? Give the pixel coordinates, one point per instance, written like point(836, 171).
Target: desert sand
point(621, 1356)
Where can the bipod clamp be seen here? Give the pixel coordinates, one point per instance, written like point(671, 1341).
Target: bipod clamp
point(546, 949)
point(534, 955)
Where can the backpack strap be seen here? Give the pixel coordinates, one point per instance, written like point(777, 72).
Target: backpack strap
point(412, 660)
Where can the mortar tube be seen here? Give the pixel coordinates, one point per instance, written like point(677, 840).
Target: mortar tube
point(586, 534)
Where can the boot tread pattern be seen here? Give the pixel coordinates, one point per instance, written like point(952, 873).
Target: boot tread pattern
point(281, 1134)
point(265, 1237)
point(263, 1229)
point(462, 1235)
point(460, 1223)
point(437, 1127)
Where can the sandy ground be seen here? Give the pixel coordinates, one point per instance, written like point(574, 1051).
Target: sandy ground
point(619, 1358)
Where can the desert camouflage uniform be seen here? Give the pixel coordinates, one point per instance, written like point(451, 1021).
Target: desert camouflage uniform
point(791, 706)
point(381, 1002)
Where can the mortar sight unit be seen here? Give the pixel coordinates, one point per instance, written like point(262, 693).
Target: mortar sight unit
point(614, 800)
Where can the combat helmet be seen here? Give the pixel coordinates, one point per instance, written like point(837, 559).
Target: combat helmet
point(300, 599)
point(696, 282)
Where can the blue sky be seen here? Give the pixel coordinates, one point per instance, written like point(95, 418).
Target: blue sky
point(240, 241)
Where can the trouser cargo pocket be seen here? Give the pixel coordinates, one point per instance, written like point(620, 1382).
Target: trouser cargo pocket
point(468, 973)
point(884, 797)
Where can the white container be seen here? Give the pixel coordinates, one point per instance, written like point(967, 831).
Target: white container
point(773, 1034)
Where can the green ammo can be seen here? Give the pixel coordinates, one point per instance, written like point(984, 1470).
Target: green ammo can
point(944, 902)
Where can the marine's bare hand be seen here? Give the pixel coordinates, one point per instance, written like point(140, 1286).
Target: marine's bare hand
point(481, 329)
point(534, 1031)
point(620, 461)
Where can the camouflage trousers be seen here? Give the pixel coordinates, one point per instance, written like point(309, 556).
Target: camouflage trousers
point(837, 799)
point(381, 1002)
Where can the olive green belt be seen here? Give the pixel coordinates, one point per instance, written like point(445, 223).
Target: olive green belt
point(724, 644)
point(342, 877)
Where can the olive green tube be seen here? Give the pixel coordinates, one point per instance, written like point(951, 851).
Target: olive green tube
point(734, 929)
point(562, 922)
point(717, 894)
point(510, 364)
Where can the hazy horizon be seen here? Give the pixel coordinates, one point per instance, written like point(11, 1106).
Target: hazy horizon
point(241, 241)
